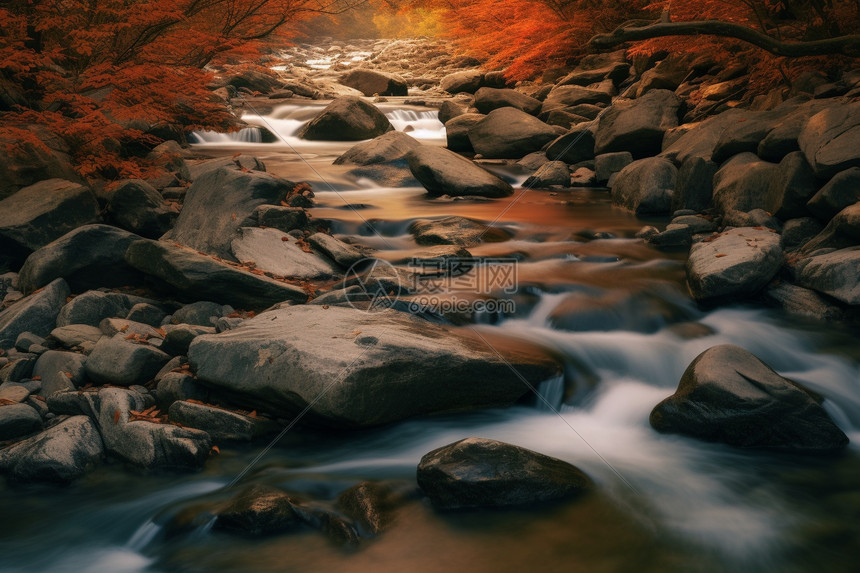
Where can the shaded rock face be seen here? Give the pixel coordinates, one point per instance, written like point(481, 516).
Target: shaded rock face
point(219, 202)
point(645, 186)
point(220, 424)
point(508, 133)
point(41, 213)
point(736, 264)
point(550, 173)
point(831, 139)
point(136, 206)
point(124, 363)
point(387, 147)
point(694, 187)
point(454, 231)
point(572, 147)
point(595, 68)
point(457, 131)
point(60, 454)
point(443, 172)
point(488, 99)
point(346, 119)
point(468, 81)
point(792, 186)
point(836, 274)
point(18, 420)
point(259, 510)
point(372, 82)
point(741, 184)
point(842, 191)
point(89, 256)
point(728, 395)
point(92, 307)
point(842, 231)
point(197, 276)
point(398, 366)
point(565, 96)
point(36, 313)
point(478, 472)
point(638, 125)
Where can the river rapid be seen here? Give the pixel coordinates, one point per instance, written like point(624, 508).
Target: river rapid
point(663, 503)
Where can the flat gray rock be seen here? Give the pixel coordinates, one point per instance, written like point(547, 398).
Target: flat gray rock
point(836, 274)
point(36, 313)
point(275, 251)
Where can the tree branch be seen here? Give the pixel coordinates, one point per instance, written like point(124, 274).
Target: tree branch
point(637, 30)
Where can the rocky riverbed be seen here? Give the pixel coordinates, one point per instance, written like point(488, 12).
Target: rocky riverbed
point(462, 311)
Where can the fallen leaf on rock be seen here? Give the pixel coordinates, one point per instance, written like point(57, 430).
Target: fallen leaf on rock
point(116, 415)
point(720, 255)
point(215, 451)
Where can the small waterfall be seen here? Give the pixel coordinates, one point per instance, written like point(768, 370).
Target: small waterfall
point(549, 394)
point(144, 535)
point(418, 124)
point(251, 134)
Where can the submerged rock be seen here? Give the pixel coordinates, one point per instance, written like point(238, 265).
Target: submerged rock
point(257, 511)
point(478, 472)
point(728, 395)
point(454, 231)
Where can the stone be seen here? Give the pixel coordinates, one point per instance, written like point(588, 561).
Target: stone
point(645, 186)
point(457, 131)
point(468, 81)
point(175, 386)
point(136, 206)
point(508, 133)
point(200, 313)
point(477, 473)
point(831, 139)
point(372, 504)
point(742, 184)
point(93, 306)
point(701, 139)
point(392, 174)
point(842, 231)
point(180, 336)
point(449, 110)
point(197, 276)
point(374, 82)
point(728, 395)
point(607, 164)
point(60, 371)
point(443, 172)
point(754, 218)
point(533, 161)
point(346, 119)
point(454, 230)
point(254, 81)
point(356, 369)
point(18, 420)
point(123, 363)
point(836, 274)
point(734, 265)
point(637, 125)
point(675, 236)
point(259, 510)
point(284, 219)
point(113, 326)
point(36, 313)
point(43, 212)
point(561, 97)
point(221, 425)
point(386, 147)
point(27, 339)
point(87, 257)
point(696, 223)
point(594, 68)
point(583, 177)
point(240, 162)
point(276, 252)
point(76, 334)
point(60, 454)
point(343, 254)
point(843, 190)
point(694, 186)
point(797, 232)
point(618, 310)
point(221, 201)
point(146, 313)
point(803, 302)
point(573, 147)
point(746, 136)
point(551, 173)
point(488, 99)
point(32, 163)
point(792, 186)
point(668, 74)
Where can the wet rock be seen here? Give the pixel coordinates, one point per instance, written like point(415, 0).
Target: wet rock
point(123, 363)
point(343, 254)
point(284, 219)
point(477, 472)
point(221, 424)
point(836, 273)
point(389, 174)
point(562, 97)
point(346, 119)
point(454, 231)
point(387, 147)
point(645, 186)
point(374, 82)
point(694, 187)
point(457, 131)
point(257, 511)
point(573, 147)
point(488, 99)
point(468, 81)
point(803, 302)
point(831, 139)
point(607, 164)
point(728, 395)
point(254, 81)
point(508, 133)
point(59, 371)
point(583, 177)
point(735, 264)
point(60, 454)
point(372, 504)
point(637, 125)
point(221, 201)
point(605, 311)
point(533, 161)
point(675, 236)
point(274, 251)
point(550, 173)
point(86, 257)
point(443, 172)
point(792, 186)
point(197, 276)
point(741, 182)
point(696, 223)
point(281, 360)
point(136, 206)
point(43, 212)
point(240, 162)
point(18, 420)
point(841, 191)
point(36, 313)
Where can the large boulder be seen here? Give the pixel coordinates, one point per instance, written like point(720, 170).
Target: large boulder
point(694, 187)
point(701, 138)
point(477, 472)
point(18, 420)
point(124, 363)
point(457, 131)
point(346, 119)
point(41, 213)
point(221, 201)
point(637, 125)
point(508, 133)
point(668, 74)
point(387, 147)
point(842, 231)
point(275, 251)
point(831, 139)
point(792, 186)
point(488, 99)
point(350, 368)
point(645, 186)
point(742, 184)
point(595, 68)
point(443, 172)
point(136, 206)
point(467, 81)
point(36, 313)
point(60, 454)
point(454, 230)
point(373, 82)
point(843, 190)
point(836, 273)
point(89, 256)
point(197, 276)
point(550, 173)
point(736, 264)
point(561, 97)
point(574, 146)
point(728, 395)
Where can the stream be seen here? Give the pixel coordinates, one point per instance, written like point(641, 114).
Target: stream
point(663, 502)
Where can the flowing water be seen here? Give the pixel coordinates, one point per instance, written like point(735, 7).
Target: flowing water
point(664, 503)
